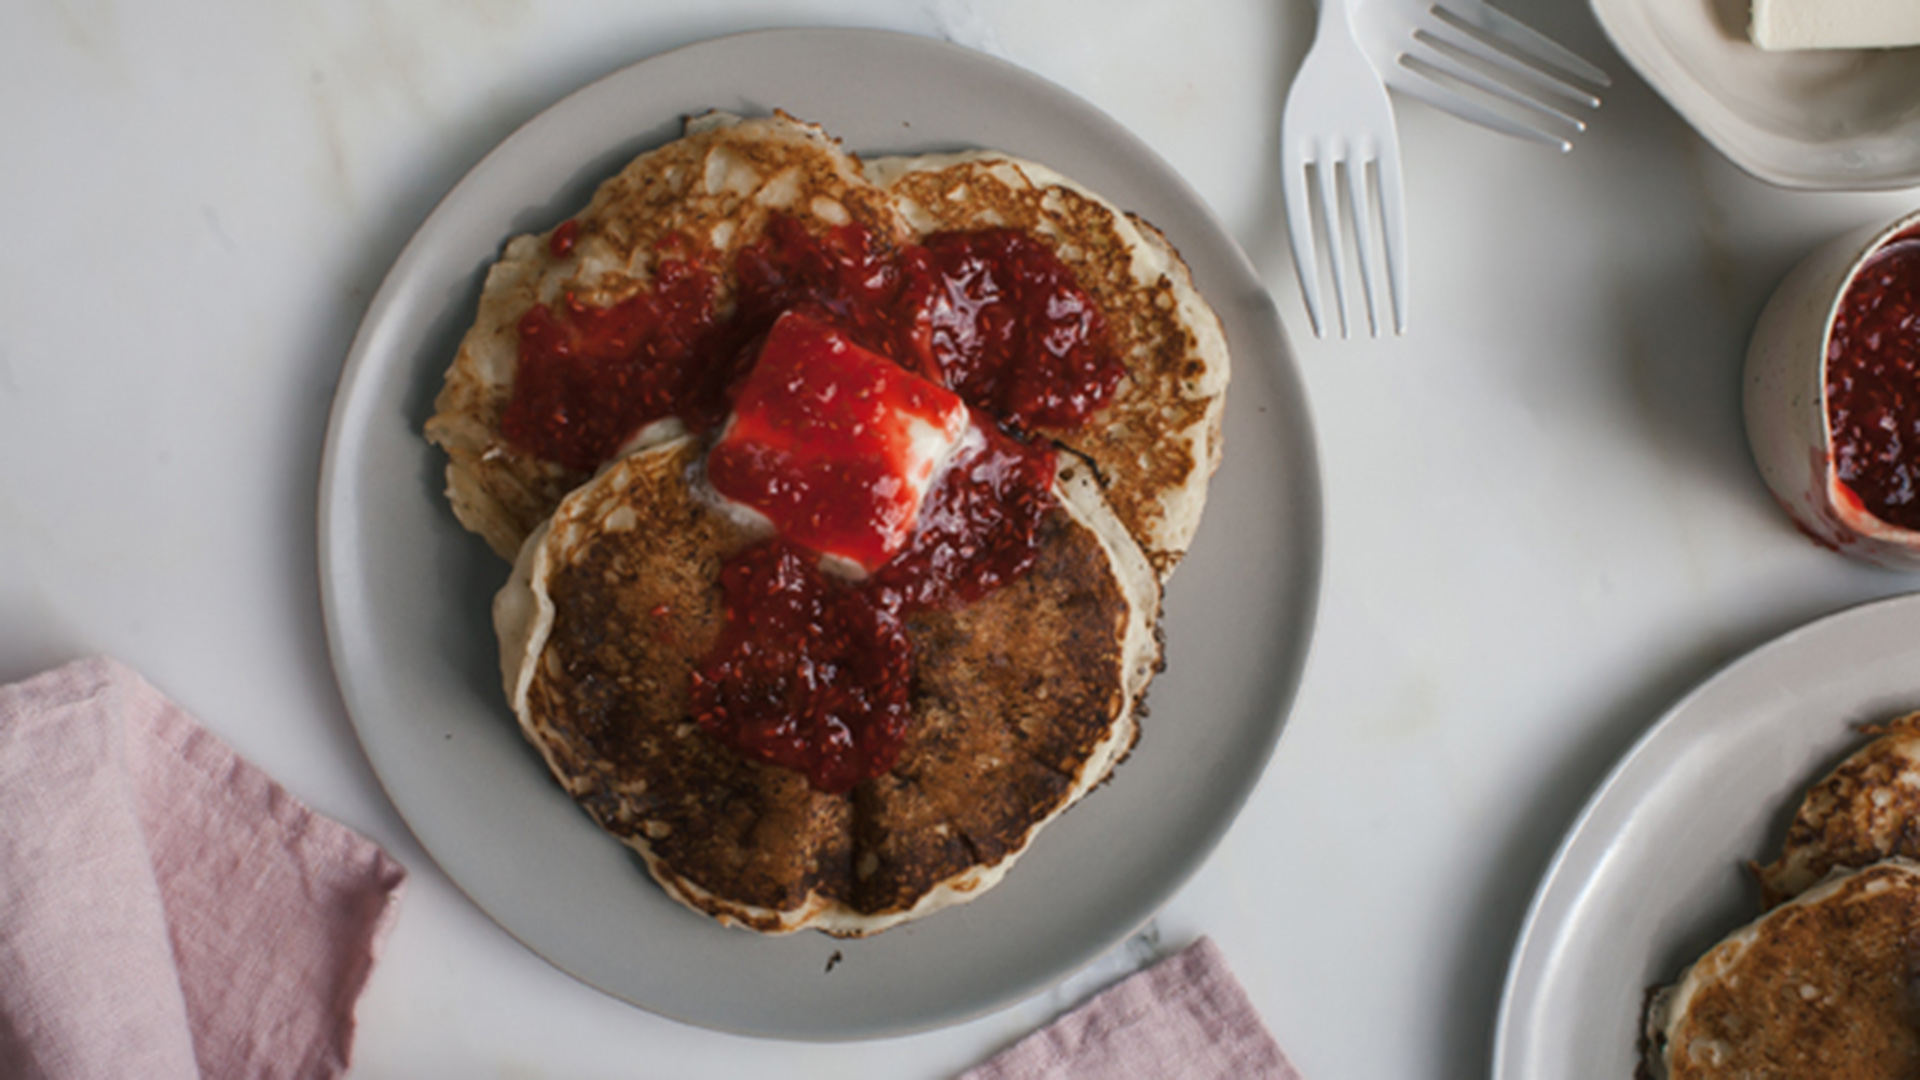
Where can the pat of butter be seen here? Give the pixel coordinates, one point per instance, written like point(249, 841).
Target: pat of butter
point(835, 445)
point(1835, 24)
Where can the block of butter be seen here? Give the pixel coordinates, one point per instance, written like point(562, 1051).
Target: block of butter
point(1835, 24)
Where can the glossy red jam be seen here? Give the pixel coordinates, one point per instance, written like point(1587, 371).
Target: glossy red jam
point(590, 377)
point(980, 527)
point(809, 674)
point(835, 444)
point(560, 241)
point(811, 671)
point(1011, 331)
point(842, 271)
point(992, 315)
point(1873, 384)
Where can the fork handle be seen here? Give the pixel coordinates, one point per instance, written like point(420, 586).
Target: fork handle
point(1336, 16)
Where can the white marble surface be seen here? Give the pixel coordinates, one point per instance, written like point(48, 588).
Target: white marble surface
point(1542, 521)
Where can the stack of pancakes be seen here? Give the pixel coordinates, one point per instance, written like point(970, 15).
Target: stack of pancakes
point(1827, 982)
point(1022, 701)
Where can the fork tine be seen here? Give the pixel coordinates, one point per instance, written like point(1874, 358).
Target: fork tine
point(1442, 61)
point(1435, 93)
point(1306, 262)
point(1362, 204)
point(1338, 118)
point(1471, 58)
point(1393, 232)
point(1336, 248)
point(1500, 30)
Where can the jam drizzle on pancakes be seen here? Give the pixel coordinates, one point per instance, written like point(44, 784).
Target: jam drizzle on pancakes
point(812, 670)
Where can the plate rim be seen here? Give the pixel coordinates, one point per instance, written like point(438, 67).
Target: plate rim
point(351, 397)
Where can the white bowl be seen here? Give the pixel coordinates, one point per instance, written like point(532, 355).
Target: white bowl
point(1825, 119)
point(1786, 402)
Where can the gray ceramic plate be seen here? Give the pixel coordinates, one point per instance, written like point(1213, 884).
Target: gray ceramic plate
point(1654, 871)
point(406, 591)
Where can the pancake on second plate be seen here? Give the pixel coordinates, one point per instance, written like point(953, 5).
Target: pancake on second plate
point(1866, 809)
point(1021, 702)
point(1820, 987)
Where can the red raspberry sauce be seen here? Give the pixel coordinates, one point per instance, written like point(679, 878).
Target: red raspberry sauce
point(811, 672)
point(823, 441)
point(1873, 384)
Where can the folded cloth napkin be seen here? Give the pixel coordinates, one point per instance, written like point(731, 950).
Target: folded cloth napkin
point(1185, 1018)
point(166, 910)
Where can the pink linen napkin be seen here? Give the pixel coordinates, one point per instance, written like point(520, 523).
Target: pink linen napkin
point(1185, 1018)
point(166, 909)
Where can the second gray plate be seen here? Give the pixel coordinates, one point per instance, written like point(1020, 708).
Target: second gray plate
point(1654, 870)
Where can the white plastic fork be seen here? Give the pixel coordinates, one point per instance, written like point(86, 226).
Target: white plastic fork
point(1338, 125)
point(1482, 65)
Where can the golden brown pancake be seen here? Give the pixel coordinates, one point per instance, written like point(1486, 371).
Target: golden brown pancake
point(1822, 986)
point(1157, 443)
point(1021, 703)
point(1153, 448)
point(1865, 810)
point(713, 193)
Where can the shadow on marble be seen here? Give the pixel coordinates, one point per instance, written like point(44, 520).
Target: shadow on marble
point(34, 638)
point(1684, 359)
point(1683, 304)
point(1731, 17)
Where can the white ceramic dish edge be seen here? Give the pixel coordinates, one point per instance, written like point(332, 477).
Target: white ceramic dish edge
point(1813, 120)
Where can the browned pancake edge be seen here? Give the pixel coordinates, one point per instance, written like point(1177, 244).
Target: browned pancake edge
point(1865, 810)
